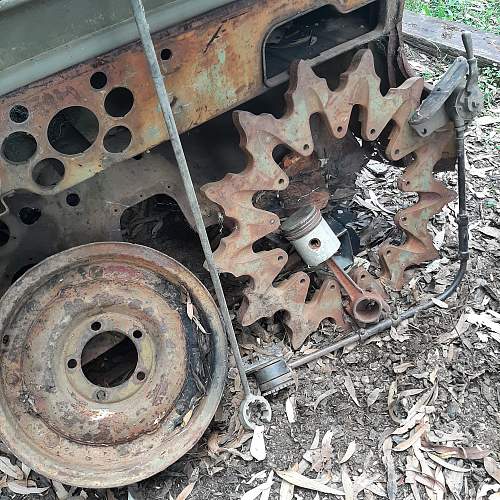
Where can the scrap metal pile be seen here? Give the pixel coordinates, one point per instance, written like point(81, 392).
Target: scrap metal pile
point(114, 355)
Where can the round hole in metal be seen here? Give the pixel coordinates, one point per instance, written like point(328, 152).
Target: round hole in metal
point(117, 139)
point(72, 363)
point(98, 80)
point(29, 215)
point(119, 102)
point(4, 234)
point(19, 147)
point(19, 113)
point(165, 54)
point(137, 334)
point(48, 172)
point(73, 200)
point(110, 359)
point(73, 130)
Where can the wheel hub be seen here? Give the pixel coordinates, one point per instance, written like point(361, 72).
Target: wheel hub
point(98, 343)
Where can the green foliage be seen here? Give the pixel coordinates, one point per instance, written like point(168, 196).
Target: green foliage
point(480, 14)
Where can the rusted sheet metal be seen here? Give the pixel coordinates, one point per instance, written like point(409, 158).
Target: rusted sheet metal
point(64, 426)
point(212, 64)
point(260, 135)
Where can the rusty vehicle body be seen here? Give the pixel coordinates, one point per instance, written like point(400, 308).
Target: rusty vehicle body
point(89, 186)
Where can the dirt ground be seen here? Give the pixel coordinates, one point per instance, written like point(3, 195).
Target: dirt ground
point(438, 373)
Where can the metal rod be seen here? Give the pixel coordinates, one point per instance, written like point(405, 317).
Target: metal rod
point(149, 50)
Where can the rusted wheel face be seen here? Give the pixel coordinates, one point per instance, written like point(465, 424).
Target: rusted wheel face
point(105, 377)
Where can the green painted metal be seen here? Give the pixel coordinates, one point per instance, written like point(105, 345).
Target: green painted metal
point(41, 37)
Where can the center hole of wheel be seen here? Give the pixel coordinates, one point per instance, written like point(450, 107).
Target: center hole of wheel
point(109, 359)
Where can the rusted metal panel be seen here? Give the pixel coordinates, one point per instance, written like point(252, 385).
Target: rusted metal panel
point(212, 65)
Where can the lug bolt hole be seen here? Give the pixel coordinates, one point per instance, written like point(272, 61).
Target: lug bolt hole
point(72, 363)
point(100, 395)
point(95, 326)
point(137, 334)
point(141, 376)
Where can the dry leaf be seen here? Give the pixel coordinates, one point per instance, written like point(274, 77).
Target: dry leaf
point(267, 492)
point(20, 488)
point(372, 397)
point(351, 449)
point(323, 397)
point(391, 401)
point(309, 484)
point(445, 464)
point(11, 470)
point(402, 367)
point(187, 417)
point(350, 389)
point(290, 409)
point(258, 444)
point(186, 491)
point(347, 484)
point(60, 490)
point(440, 303)
point(258, 490)
point(455, 451)
point(492, 468)
point(408, 443)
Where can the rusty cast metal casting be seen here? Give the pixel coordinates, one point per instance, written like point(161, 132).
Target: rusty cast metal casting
point(260, 135)
point(64, 422)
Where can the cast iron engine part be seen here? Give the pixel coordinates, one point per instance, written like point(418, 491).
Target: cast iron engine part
point(309, 96)
point(315, 241)
point(106, 378)
point(272, 372)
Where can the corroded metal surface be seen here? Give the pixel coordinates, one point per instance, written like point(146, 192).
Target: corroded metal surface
point(219, 55)
point(95, 434)
point(260, 135)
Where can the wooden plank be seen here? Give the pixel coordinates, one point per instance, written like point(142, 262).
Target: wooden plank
point(438, 36)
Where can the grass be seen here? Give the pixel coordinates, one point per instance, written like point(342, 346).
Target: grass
point(483, 15)
point(480, 14)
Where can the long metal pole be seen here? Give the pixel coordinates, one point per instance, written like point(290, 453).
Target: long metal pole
point(149, 50)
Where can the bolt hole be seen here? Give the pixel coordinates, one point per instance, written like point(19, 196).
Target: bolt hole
point(117, 139)
point(119, 102)
point(48, 173)
point(73, 200)
point(397, 152)
point(5, 339)
point(19, 114)
point(19, 147)
point(29, 215)
point(404, 219)
point(332, 287)
point(372, 131)
point(388, 252)
point(302, 281)
point(141, 376)
point(306, 147)
point(72, 363)
point(280, 258)
point(137, 334)
point(424, 131)
point(95, 326)
point(315, 243)
point(166, 54)
point(98, 80)
point(281, 181)
point(363, 276)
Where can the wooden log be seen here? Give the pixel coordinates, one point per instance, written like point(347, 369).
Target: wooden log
point(438, 37)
